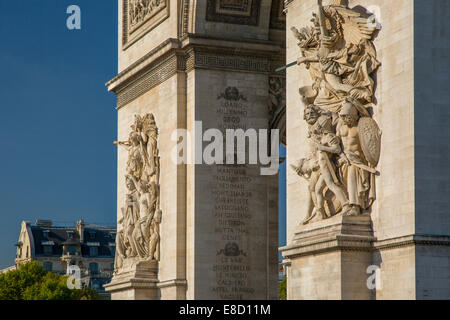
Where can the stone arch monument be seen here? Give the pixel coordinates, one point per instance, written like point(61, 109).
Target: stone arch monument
point(191, 230)
point(363, 103)
point(366, 198)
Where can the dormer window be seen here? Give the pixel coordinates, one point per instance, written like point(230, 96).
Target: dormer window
point(70, 235)
point(46, 233)
point(93, 248)
point(48, 247)
point(92, 235)
point(48, 250)
point(93, 251)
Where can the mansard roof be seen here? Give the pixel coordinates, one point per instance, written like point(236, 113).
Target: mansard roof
point(57, 237)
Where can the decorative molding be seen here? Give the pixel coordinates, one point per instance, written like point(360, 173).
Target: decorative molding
point(174, 62)
point(190, 60)
point(172, 283)
point(340, 233)
point(167, 59)
point(276, 62)
point(184, 19)
point(127, 284)
point(231, 61)
point(150, 57)
point(277, 15)
point(334, 243)
point(158, 73)
point(245, 12)
point(145, 17)
point(412, 240)
point(360, 243)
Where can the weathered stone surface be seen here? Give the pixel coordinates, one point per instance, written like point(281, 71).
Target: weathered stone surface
point(219, 226)
point(328, 259)
point(139, 282)
point(409, 219)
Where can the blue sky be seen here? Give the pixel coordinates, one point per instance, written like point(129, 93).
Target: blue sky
point(57, 120)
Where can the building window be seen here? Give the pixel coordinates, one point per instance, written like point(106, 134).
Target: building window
point(93, 251)
point(113, 251)
point(27, 252)
point(70, 235)
point(92, 235)
point(47, 249)
point(48, 266)
point(72, 250)
point(93, 268)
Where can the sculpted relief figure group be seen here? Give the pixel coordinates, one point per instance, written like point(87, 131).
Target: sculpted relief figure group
point(140, 9)
point(344, 140)
point(138, 229)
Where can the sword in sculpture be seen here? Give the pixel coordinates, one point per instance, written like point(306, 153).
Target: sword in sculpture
point(323, 29)
point(286, 66)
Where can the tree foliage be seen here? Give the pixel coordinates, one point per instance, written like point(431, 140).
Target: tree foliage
point(31, 282)
point(282, 289)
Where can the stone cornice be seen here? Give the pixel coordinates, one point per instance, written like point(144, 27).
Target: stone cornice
point(207, 58)
point(125, 284)
point(252, 46)
point(174, 56)
point(140, 283)
point(172, 283)
point(358, 243)
point(342, 233)
point(142, 81)
point(332, 243)
point(143, 62)
point(419, 239)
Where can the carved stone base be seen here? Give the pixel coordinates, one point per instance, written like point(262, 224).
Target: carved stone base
point(138, 282)
point(328, 259)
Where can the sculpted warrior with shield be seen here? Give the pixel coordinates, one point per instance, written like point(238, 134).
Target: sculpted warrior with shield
point(339, 54)
point(358, 175)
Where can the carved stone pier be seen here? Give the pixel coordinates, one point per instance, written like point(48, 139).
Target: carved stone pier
point(328, 259)
point(197, 65)
point(368, 134)
point(139, 282)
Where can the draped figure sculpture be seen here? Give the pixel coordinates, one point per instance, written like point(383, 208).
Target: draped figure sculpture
point(138, 229)
point(345, 141)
